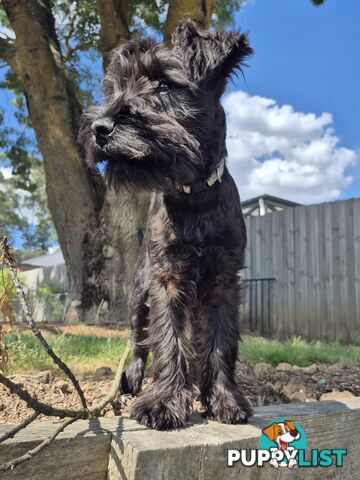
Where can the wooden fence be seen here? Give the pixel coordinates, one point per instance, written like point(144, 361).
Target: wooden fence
point(310, 257)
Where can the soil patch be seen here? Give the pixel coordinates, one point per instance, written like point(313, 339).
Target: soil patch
point(262, 384)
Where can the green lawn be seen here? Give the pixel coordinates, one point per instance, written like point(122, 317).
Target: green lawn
point(85, 353)
point(82, 353)
point(297, 351)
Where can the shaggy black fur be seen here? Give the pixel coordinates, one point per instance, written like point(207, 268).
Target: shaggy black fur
point(162, 126)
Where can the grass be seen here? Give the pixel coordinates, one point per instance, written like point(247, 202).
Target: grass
point(297, 351)
point(84, 353)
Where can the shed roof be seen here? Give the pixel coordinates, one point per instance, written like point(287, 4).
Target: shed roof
point(48, 260)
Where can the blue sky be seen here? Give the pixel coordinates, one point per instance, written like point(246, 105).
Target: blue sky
point(308, 57)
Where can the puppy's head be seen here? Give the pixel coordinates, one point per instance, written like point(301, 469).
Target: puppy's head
point(162, 121)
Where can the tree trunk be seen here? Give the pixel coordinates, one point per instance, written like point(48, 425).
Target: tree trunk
point(198, 10)
point(98, 231)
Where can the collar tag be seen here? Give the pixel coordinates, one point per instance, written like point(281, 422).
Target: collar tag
point(200, 186)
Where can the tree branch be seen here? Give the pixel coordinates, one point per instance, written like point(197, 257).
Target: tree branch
point(8, 53)
point(31, 453)
point(198, 10)
point(68, 35)
point(40, 407)
point(114, 24)
point(79, 46)
point(21, 426)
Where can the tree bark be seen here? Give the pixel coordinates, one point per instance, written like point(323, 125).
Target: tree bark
point(114, 19)
point(198, 10)
point(98, 230)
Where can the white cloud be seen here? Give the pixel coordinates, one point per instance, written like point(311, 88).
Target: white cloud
point(274, 149)
point(6, 172)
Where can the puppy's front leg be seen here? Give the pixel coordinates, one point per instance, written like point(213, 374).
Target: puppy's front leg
point(166, 403)
point(220, 392)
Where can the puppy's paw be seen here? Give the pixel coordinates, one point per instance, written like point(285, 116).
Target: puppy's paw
point(131, 380)
point(227, 406)
point(161, 412)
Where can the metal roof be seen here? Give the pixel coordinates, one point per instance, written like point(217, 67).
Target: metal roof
point(270, 198)
point(48, 260)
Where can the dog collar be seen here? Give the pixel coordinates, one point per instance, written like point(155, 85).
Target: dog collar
point(203, 185)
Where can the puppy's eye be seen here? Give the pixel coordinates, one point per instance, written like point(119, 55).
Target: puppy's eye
point(163, 88)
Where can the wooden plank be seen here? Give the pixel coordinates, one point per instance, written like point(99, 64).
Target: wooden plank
point(301, 285)
point(134, 452)
point(329, 331)
point(258, 274)
point(267, 247)
point(247, 270)
point(342, 320)
point(321, 294)
point(289, 270)
point(245, 274)
point(348, 303)
point(254, 260)
point(278, 271)
point(79, 453)
point(265, 313)
point(200, 452)
point(356, 230)
point(335, 307)
point(314, 327)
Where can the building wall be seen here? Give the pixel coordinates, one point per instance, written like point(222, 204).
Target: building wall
point(51, 309)
point(55, 275)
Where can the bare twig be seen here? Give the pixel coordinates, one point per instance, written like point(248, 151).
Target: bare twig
point(81, 46)
point(69, 33)
point(95, 410)
point(81, 414)
point(70, 415)
point(50, 411)
point(31, 453)
point(40, 407)
point(29, 320)
point(21, 426)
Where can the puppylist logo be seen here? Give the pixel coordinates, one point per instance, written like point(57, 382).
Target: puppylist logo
point(283, 445)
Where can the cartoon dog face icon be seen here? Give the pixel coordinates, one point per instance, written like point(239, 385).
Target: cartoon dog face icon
point(282, 433)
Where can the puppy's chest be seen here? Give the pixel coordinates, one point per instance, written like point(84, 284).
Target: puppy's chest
point(192, 260)
point(196, 231)
point(193, 245)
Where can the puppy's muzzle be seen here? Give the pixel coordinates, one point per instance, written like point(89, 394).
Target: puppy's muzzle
point(102, 129)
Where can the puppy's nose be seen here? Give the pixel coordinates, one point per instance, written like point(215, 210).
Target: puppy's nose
point(102, 129)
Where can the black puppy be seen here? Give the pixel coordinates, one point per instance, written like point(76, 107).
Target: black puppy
point(163, 128)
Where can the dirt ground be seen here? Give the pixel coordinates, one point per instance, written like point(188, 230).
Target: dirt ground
point(263, 385)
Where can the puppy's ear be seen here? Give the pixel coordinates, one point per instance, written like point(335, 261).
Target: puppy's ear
point(271, 431)
point(210, 57)
point(290, 424)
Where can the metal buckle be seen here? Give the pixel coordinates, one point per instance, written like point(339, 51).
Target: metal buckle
point(220, 171)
